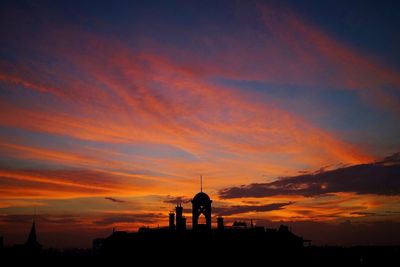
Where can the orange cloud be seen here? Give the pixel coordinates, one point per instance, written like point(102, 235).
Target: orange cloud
point(144, 98)
point(146, 114)
point(123, 96)
point(70, 183)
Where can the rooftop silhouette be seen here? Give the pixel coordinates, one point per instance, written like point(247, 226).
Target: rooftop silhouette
point(238, 243)
point(201, 237)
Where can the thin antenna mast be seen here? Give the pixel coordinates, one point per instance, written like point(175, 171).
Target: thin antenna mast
point(201, 183)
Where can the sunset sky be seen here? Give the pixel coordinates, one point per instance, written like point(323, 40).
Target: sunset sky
point(111, 110)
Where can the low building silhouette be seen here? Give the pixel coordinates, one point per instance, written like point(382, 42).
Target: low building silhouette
point(180, 219)
point(202, 238)
point(171, 225)
point(220, 224)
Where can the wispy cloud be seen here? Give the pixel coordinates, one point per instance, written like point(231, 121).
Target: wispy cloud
point(144, 218)
point(34, 183)
point(176, 200)
point(233, 210)
point(116, 200)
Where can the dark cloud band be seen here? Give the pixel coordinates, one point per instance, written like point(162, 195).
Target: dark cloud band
point(379, 178)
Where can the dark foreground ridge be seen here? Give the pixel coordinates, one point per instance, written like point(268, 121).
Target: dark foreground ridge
point(189, 241)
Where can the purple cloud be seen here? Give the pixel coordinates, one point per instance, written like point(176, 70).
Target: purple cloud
point(380, 178)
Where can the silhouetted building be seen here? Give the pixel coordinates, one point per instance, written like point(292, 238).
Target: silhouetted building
point(31, 243)
point(283, 228)
point(201, 205)
point(180, 220)
point(171, 225)
point(239, 225)
point(220, 223)
point(98, 245)
point(182, 226)
point(31, 246)
point(237, 238)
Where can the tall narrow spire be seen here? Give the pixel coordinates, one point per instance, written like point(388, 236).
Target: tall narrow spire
point(31, 243)
point(201, 183)
point(32, 235)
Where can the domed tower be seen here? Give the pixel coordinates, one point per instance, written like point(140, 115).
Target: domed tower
point(201, 204)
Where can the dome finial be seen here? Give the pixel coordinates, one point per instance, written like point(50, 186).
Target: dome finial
point(201, 183)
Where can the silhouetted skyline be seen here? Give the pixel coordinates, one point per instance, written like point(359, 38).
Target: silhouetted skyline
point(237, 243)
point(201, 240)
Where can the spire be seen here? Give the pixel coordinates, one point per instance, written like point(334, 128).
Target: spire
point(32, 235)
point(31, 243)
point(201, 183)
